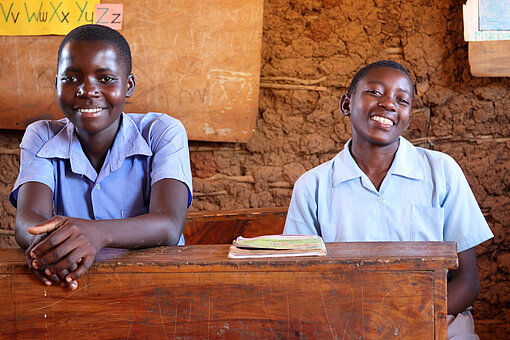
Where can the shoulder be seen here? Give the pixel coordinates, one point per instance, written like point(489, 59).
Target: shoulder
point(41, 131)
point(160, 131)
point(153, 124)
point(149, 119)
point(319, 175)
point(438, 161)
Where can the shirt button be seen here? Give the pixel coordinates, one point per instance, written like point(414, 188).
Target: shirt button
point(98, 186)
point(379, 199)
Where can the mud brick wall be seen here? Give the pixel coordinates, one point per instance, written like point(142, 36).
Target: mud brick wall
point(311, 49)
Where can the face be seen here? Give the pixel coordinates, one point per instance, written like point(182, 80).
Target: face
point(380, 109)
point(92, 86)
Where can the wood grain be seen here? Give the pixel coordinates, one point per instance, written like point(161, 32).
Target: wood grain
point(489, 58)
point(358, 291)
point(223, 226)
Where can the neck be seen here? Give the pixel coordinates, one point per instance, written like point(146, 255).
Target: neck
point(374, 160)
point(96, 146)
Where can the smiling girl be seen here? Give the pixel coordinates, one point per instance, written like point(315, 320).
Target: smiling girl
point(100, 177)
point(382, 188)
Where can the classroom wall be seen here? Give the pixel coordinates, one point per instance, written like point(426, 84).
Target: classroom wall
point(310, 51)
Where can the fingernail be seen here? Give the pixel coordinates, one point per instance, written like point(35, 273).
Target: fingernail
point(73, 285)
point(32, 255)
point(68, 279)
point(47, 271)
point(34, 265)
point(47, 283)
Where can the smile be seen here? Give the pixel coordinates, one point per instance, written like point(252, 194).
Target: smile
point(96, 110)
point(382, 120)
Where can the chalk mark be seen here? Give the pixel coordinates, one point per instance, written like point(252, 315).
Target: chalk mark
point(161, 317)
point(288, 313)
point(209, 317)
point(326, 312)
point(189, 318)
point(131, 326)
point(59, 301)
point(362, 314)
point(267, 319)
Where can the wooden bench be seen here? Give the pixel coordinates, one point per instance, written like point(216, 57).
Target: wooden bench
point(380, 290)
point(223, 226)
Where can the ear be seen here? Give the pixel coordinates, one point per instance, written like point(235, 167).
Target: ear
point(345, 105)
point(130, 85)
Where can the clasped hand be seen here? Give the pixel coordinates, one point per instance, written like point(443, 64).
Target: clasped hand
point(63, 250)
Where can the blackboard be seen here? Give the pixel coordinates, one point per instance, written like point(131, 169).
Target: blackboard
point(196, 60)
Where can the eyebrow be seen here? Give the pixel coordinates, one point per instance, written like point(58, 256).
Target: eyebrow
point(100, 70)
point(383, 83)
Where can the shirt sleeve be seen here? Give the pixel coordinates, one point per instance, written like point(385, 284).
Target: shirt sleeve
point(169, 144)
point(302, 213)
point(464, 221)
point(33, 168)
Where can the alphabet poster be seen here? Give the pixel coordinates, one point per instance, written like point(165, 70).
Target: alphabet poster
point(44, 17)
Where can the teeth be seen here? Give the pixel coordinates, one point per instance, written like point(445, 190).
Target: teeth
point(90, 110)
point(382, 120)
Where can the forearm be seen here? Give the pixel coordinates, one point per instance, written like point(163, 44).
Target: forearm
point(23, 222)
point(148, 230)
point(461, 295)
point(464, 285)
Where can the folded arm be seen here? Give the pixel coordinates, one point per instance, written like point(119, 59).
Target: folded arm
point(464, 285)
point(61, 243)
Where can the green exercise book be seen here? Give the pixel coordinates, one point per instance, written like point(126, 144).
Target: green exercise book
point(277, 246)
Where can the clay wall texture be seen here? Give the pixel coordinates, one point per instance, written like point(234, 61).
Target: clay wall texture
point(311, 49)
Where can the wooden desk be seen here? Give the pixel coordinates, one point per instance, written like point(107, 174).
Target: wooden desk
point(358, 291)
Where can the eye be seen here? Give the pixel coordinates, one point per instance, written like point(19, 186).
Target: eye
point(374, 92)
point(69, 79)
point(403, 101)
point(106, 79)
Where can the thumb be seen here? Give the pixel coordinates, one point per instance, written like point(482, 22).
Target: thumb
point(46, 226)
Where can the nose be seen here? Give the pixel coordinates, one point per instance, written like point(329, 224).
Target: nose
point(387, 103)
point(88, 89)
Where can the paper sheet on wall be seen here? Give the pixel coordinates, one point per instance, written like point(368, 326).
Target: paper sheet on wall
point(44, 17)
point(486, 20)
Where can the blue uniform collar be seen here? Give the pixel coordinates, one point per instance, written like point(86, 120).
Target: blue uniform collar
point(405, 164)
point(66, 145)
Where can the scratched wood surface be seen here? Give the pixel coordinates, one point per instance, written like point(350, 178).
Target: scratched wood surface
point(489, 58)
point(196, 60)
point(358, 291)
point(223, 226)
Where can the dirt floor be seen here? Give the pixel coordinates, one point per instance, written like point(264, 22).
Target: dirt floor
point(316, 46)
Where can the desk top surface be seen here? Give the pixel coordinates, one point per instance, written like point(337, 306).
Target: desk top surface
point(200, 258)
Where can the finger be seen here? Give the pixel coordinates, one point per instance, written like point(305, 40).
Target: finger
point(69, 263)
point(82, 269)
point(47, 226)
point(53, 247)
point(35, 241)
point(56, 256)
point(53, 277)
point(42, 278)
point(72, 285)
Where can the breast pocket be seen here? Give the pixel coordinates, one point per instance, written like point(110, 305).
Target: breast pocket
point(426, 223)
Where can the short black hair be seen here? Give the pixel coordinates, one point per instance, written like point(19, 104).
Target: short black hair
point(378, 64)
point(92, 32)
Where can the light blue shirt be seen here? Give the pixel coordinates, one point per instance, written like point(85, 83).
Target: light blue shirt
point(424, 197)
point(147, 148)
